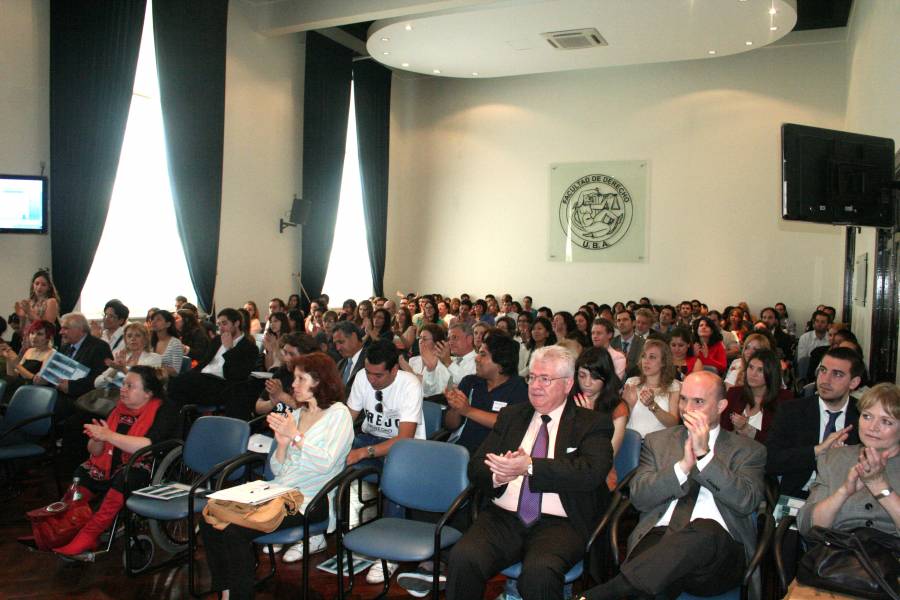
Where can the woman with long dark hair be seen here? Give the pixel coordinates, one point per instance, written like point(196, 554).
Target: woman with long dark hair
point(751, 406)
point(42, 303)
point(708, 346)
point(164, 341)
point(194, 341)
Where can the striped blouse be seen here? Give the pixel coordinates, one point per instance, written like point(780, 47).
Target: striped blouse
point(321, 457)
point(173, 355)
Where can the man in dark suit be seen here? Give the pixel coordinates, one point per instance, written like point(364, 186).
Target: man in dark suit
point(90, 351)
point(222, 377)
point(544, 464)
point(806, 427)
point(348, 341)
point(696, 487)
point(627, 342)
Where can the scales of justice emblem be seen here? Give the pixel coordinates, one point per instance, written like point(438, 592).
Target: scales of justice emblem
point(595, 211)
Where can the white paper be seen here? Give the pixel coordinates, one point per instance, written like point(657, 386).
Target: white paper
point(261, 374)
point(254, 492)
point(61, 367)
point(260, 443)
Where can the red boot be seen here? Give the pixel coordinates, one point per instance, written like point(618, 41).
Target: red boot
point(86, 539)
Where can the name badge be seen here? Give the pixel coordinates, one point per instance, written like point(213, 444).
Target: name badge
point(498, 406)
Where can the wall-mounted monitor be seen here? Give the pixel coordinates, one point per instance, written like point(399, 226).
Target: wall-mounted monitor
point(836, 177)
point(23, 204)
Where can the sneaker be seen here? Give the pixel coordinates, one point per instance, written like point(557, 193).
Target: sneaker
point(294, 553)
point(418, 582)
point(276, 548)
point(376, 572)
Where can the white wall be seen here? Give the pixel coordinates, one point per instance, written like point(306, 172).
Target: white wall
point(873, 96)
point(263, 129)
point(469, 179)
point(24, 129)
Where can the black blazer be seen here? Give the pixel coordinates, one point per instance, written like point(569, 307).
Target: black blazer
point(360, 364)
point(92, 354)
point(579, 476)
point(792, 438)
point(239, 360)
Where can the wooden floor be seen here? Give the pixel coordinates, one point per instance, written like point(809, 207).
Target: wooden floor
point(26, 574)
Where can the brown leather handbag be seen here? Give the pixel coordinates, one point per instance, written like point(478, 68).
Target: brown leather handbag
point(265, 517)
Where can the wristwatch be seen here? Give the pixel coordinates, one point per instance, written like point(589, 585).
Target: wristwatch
point(883, 493)
point(653, 407)
point(297, 439)
point(371, 451)
point(530, 468)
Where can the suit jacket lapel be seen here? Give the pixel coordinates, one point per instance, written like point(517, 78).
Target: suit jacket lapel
point(518, 428)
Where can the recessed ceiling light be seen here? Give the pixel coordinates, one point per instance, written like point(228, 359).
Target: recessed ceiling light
point(772, 11)
point(748, 43)
point(773, 28)
point(710, 52)
point(436, 71)
point(474, 73)
point(404, 65)
point(408, 27)
point(385, 39)
point(386, 53)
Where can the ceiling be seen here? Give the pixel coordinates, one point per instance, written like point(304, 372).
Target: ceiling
point(499, 38)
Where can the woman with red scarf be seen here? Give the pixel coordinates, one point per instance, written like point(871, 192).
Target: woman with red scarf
point(140, 418)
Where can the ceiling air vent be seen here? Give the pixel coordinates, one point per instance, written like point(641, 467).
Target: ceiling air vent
point(574, 39)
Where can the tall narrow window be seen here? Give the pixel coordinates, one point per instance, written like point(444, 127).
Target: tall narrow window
point(140, 259)
point(349, 274)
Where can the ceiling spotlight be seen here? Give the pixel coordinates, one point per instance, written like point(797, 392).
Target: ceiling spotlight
point(773, 28)
point(474, 73)
point(748, 43)
point(385, 39)
point(408, 27)
point(404, 65)
point(710, 52)
point(772, 11)
point(436, 71)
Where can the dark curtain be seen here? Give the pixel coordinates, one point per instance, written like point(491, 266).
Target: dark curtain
point(190, 54)
point(326, 106)
point(94, 48)
point(372, 95)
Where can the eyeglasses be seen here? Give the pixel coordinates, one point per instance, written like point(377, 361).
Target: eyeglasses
point(541, 380)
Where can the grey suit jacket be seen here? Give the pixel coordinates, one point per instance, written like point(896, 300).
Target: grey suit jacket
point(734, 476)
point(634, 349)
point(859, 510)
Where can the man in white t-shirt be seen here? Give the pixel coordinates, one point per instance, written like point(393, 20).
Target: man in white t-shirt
point(391, 403)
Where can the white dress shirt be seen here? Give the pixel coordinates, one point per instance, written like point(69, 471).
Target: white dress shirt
point(216, 366)
point(705, 508)
point(436, 381)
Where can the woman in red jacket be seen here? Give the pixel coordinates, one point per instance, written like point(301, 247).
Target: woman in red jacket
point(708, 346)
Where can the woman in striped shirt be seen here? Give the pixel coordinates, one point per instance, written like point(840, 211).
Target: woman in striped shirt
point(312, 443)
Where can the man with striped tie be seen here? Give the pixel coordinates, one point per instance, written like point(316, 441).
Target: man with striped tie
point(544, 465)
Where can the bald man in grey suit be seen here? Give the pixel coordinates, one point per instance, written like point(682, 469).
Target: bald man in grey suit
point(696, 487)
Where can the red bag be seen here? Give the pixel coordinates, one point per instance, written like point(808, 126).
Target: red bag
point(56, 524)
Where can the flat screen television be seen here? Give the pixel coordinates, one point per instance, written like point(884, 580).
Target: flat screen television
point(836, 177)
point(23, 204)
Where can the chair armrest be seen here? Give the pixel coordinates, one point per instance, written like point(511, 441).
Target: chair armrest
point(204, 479)
point(762, 544)
point(605, 520)
point(457, 503)
point(343, 499)
point(624, 504)
point(166, 445)
point(25, 422)
point(783, 526)
point(236, 463)
point(322, 496)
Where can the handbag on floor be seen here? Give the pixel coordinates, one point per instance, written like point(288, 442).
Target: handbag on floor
point(265, 517)
point(863, 562)
point(56, 524)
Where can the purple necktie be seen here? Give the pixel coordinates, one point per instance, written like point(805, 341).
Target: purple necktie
point(530, 502)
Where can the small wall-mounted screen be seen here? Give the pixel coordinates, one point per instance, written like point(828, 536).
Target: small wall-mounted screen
point(23, 204)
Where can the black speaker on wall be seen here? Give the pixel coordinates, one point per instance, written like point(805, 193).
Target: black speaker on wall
point(300, 211)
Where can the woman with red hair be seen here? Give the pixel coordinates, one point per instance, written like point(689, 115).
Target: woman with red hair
point(39, 344)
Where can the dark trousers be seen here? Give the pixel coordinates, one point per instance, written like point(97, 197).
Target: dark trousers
point(195, 387)
point(497, 539)
point(232, 558)
point(701, 559)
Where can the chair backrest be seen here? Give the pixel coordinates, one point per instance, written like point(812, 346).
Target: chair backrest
point(185, 364)
point(425, 475)
point(212, 440)
point(29, 401)
point(629, 454)
point(434, 417)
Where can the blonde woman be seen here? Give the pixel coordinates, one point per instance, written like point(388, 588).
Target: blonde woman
point(652, 397)
point(136, 351)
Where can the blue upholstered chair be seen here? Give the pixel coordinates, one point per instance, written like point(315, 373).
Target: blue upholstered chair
point(212, 443)
point(28, 419)
point(434, 421)
point(419, 474)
